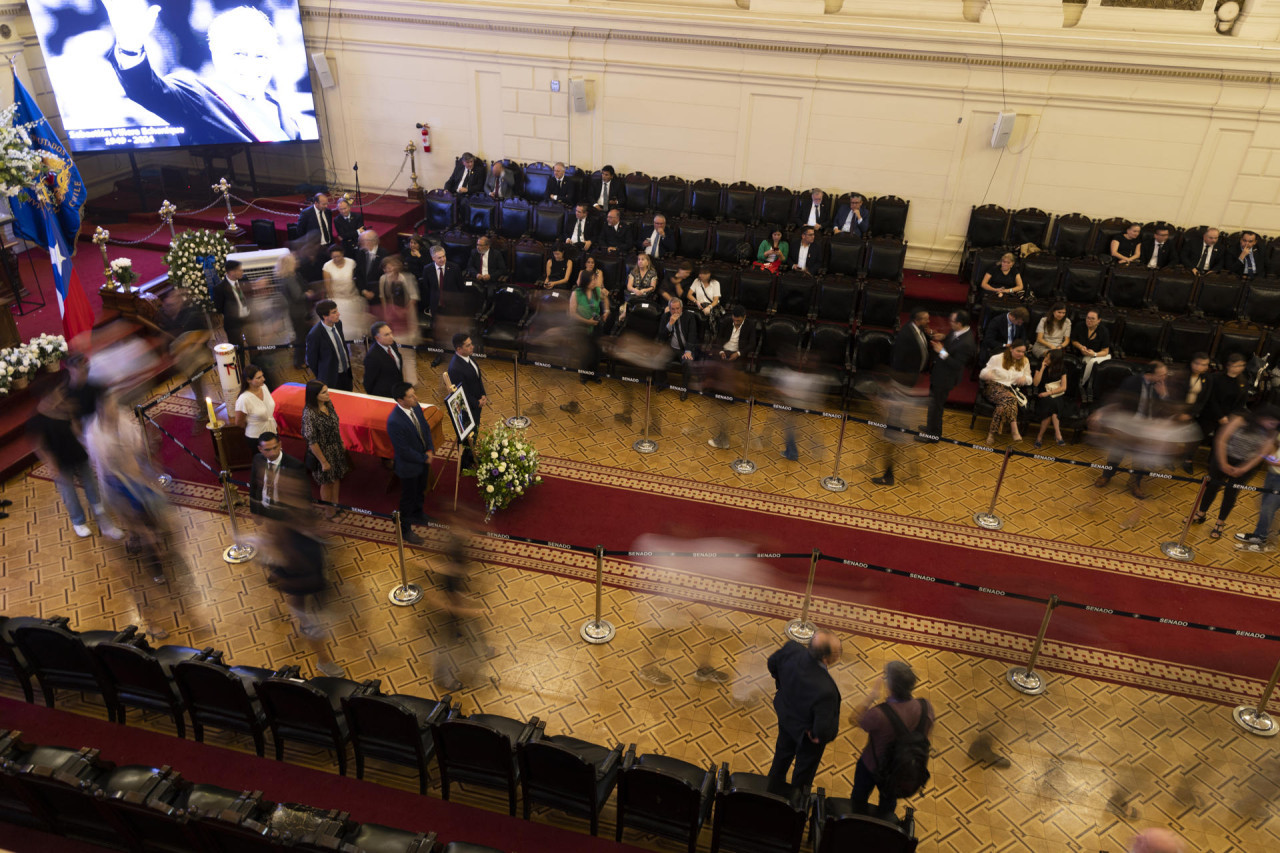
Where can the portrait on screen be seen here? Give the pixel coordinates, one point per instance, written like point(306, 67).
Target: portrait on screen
point(130, 74)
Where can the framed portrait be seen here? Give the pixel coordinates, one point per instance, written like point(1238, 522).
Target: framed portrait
point(456, 405)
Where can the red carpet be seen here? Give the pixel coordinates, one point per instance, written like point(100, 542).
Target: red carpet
point(624, 506)
point(367, 802)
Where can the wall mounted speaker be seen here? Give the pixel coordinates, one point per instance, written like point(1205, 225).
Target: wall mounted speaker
point(323, 74)
point(578, 94)
point(1003, 129)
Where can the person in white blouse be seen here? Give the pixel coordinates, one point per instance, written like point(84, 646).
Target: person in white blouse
point(255, 407)
point(1003, 372)
point(339, 282)
point(704, 294)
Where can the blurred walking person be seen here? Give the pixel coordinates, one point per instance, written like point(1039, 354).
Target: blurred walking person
point(462, 644)
point(52, 429)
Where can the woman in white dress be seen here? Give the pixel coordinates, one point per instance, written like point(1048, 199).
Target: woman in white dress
point(398, 297)
point(339, 282)
point(255, 407)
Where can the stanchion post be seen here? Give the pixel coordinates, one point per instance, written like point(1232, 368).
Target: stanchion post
point(1024, 678)
point(162, 478)
point(644, 444)
point(405, 593)
point(835, 483)
point(989, 520)
point(1180, 550)
point(1255, 720)
point(516, 421)
point(457, 484)
point(236, 552)
point(598, 630)
point(743, 464)
point(802, 630)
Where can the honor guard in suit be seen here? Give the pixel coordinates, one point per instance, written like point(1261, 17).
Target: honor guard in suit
point(464, 372)
point(414, 449)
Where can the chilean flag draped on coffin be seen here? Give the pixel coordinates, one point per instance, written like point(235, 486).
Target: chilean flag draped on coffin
point(49, 214)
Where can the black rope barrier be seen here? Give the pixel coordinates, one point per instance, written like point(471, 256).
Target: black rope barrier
point(188, 450)
point(166, 395)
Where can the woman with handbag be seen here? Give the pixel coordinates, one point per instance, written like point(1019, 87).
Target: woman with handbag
point(1005, 371)
point(326, 456)
point(772, 252)
point(1051, 379)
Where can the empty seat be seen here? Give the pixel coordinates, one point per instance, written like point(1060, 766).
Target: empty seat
point(143, 677)
point(395, 728)
point(880, 306)
point(829, 352)
point(515, 216)
point(844, 255)
point(838, 827)
point(664, 796)
point(1245, 340)
point(739, 202)
point(794, 295)
point(264, 233)
point(731, 243)
point(546, 220)
point(479, 214)
point(308, 711)
point(871, 350)
point(889, 217)
point(481, 749)
point(704, 199)
point(62, 659)
point(1128, 285)
point(1261, 304)
point(440, 211)
point(1028, 225)
point(754, 290)
point(1082, 281)
point(777, 206)
point(781, 340)
point(988, 226)
point(885, 259)
point(536, 177)
point(458, 246)
point(1171, 291)
point(1218, 296)
point(750, 819)
point(568, 774)
point(1072, 236)
point(671, 196)
point(13, 666)
point(1186, 338)
point(1041, 275)
point(502, 324)
point(222, 697)
point(529, 262)
point(837, 299)
point(693, 238)
point(1142, 336)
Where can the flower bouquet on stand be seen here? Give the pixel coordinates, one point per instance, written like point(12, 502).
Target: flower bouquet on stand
point(506, 467)
point(25, 362)
point(122, 274)
point(50, 349)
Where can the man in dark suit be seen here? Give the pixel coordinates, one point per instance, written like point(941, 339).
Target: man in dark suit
point(441, 278)
point(615, 236)
point(734, 343)
point(1204, 255)
point(411, 441)
point(951, 358)
point(384, 363)
point(268, 486)
point(560, 188)
point(486, 266)
point(658, 242)
point(464, 372)
point(230, 301)
point(580, 230)
point(1157, 250)
point(1143, 396)
point(898, 401)
point(679, 331)
point(368, 260)
point(318, 219)
point(852, 218)
point(1003, 330)
point(1245, 259)
point(815, 212)
point(808, 708)
point(466, 178)
point(606, 191)
point(804, 256)
point(910, 350)
point(327, 353)
point(500, 184)
point(347, 226)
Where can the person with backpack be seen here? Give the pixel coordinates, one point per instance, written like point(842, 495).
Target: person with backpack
point(808, 708)
point(895, 761)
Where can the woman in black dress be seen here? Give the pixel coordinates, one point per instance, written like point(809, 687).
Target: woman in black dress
point(1224, 394)
point(1051, 379)
point(1126, 247)
point(1003, 279)
point(559, 269)
point(326, 456)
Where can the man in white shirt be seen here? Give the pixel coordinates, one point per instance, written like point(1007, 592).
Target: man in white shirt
point(559, 188)
point(852, 219)
point(806, 258)
point(318, 219)
point(268, 480)
point(579, 231)
point(660, 243)
point(1157, 250)
point(813, 212)
point(464, 178)
point(738, 342)
point(607, 195)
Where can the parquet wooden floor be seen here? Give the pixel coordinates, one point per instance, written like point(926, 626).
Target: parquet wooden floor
point(1091, 762)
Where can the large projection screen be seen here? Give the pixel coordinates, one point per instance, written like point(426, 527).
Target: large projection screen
point(130, 75)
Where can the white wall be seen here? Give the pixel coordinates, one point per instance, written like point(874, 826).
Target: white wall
point(1137, 113)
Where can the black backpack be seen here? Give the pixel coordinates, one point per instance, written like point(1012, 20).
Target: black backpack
point(904, 770)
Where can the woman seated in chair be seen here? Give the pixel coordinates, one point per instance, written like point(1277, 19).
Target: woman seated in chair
point(1127, 248)
point(772, 252)
point(642, 283)
point(704, 296)
point(1053, 331)
point(1003, 280)
point(1005, 370)
point(1051, 379)
point(559, 271)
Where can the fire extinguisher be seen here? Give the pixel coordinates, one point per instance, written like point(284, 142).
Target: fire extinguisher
point(426, 138)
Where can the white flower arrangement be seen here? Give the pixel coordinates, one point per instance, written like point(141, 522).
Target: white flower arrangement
point(122, 272)
point(25, 361)
point(185, 267)
point(20, 164)
point(510, 470)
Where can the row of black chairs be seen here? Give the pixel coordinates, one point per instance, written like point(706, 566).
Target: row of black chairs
point(1072, 236)
point(657, 794)
point(676, 197)
point(1173, 292)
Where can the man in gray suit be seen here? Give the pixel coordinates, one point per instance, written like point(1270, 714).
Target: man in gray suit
point(500, 184)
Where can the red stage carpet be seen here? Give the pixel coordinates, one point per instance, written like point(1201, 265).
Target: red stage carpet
point(280, 782)
point(624, 505)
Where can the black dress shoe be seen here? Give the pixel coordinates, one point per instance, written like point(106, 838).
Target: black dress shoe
point(684, 395)
point(435, 362)
point(5, 502)
point(886, 480)
point(410, 537)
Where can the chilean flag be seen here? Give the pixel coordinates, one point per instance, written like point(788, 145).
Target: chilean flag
point(49, 215)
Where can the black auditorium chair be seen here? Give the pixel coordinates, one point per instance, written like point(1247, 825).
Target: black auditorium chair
point(1108, 376)
point(643, 319)
point(885, 259)
point(838, 827)
point(367, 838)
point(569, 775)
point(529, 262)
point(1071, 236)
point(1028, 225)
point(704, 199)
point(754, 291)
point(143, 677)
point(1218, 296)
point(844, 255)
point(639, 192)
point(693, 238)
point(264, 233)
point(1187, 337)
point(160, 821)
point(670, 197)
point(1042, 275)
point(781, 340)
point(479, 214)
point(880, 306)
point(1103, 233)
point(830, 353)
point(1128, 286)
point(731, 243)
point(1142, 337)
point(394, 728)
point(1233, 337)
point(222, 697)
point(13, 666)
point(439, 210)
point(1172, 291)
point(837, 299)
point(502, 323)
point(793, 295)
point(458, 246)
point(664, 796)
point(750, 819)
point(62, 659)
point(1082, 281)
point(871, 350)
point(15, 806)
point(775, 211)
point(889, 216)
point(988, 226)
point(545, 226)
point(536, 177)
point(1261, 305)
point(309, 711)
point(481, 749)
point(515, 216)
point(739, 202)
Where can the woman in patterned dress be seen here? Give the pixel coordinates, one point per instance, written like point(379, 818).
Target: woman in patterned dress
point(327, 457)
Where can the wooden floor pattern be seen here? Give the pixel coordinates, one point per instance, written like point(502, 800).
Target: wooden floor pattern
point(1091, 762)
